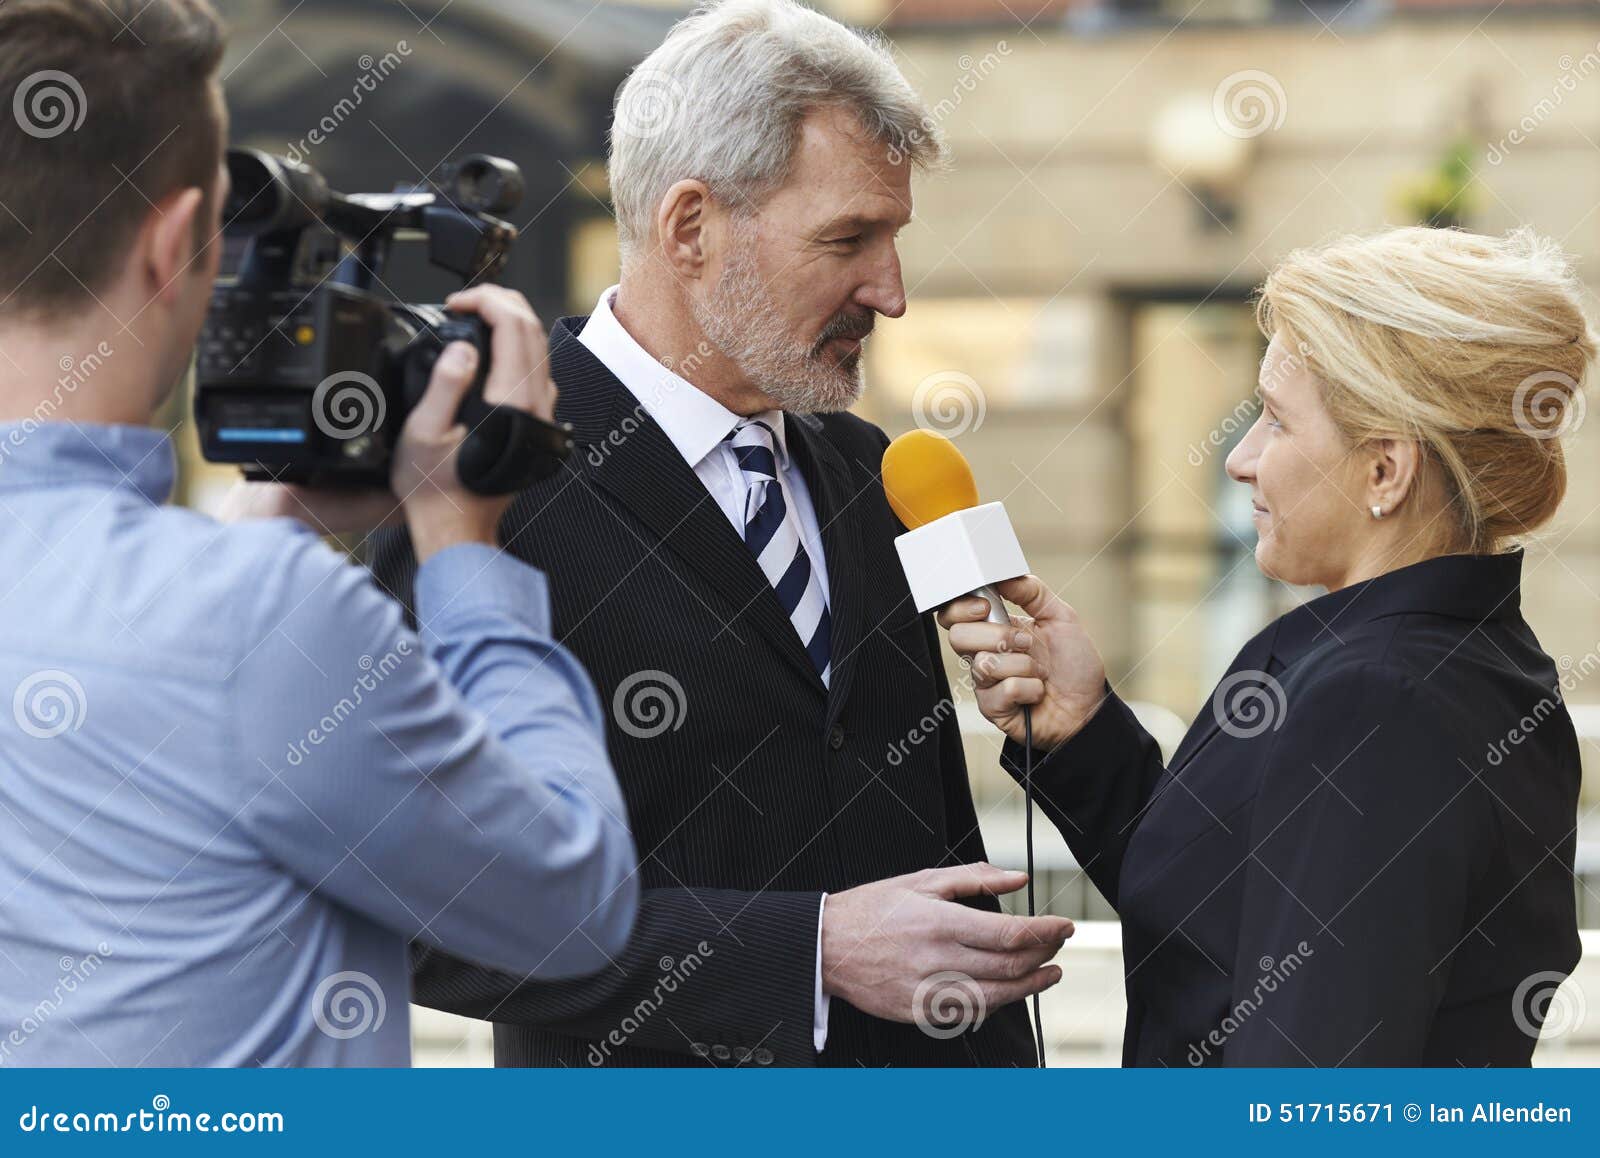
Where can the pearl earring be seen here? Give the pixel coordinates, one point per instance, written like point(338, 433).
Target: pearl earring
point(1377, 512)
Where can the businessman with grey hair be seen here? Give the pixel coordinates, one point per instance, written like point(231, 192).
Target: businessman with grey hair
point(722, 562)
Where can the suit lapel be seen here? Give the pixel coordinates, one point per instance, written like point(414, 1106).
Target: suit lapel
point(834, 499)
point(630, 457)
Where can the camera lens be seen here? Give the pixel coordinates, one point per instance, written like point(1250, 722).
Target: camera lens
point(270, 193)
point(489, 184)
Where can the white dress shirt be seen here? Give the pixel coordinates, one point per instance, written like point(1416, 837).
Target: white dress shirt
point(697, 424)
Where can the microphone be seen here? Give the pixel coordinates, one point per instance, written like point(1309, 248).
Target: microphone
point(954, 546)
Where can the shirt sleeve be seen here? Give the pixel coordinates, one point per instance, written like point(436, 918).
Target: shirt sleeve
point(450, 784)
point(819, 1018)
point(1368, 836)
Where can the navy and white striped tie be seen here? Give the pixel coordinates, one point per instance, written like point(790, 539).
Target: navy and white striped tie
point(773, 536)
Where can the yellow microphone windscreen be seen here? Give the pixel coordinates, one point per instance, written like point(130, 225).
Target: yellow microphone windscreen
point(926, 478)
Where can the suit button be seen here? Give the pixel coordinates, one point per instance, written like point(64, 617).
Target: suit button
point(741, 1054)
point(763, 1056)
point(836, 737)
point(721, 1052)
point(700, 1049)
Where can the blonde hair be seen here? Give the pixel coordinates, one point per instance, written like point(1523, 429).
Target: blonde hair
point(1476, 347)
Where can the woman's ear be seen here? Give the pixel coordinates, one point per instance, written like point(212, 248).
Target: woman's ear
point(1393, 472)
point(681, 221)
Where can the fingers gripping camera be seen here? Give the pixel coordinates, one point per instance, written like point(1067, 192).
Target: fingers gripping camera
point(306, 374)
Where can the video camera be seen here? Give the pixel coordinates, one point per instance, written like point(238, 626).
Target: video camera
point(306, 374)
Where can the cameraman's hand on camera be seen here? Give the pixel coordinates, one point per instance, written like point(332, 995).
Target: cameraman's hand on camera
point(431, 499)
point(438, 509)
point(1049, 662)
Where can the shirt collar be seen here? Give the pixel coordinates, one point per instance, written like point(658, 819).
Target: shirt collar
point(1473, 587)
point(692, 420)
point(58, 454)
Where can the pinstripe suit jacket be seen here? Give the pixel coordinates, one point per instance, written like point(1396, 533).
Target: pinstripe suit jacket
point(751, 787)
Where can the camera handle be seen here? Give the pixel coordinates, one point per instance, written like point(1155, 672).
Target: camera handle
point(506, 449)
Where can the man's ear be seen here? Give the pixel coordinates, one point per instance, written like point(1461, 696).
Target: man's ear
point(166, 243)
point(681, 221)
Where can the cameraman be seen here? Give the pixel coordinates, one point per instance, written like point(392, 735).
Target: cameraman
point(233, 785)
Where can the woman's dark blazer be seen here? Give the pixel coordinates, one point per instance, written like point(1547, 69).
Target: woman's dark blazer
point(1362, 852)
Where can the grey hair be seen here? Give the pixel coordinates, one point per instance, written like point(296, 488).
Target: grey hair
point(723, 98)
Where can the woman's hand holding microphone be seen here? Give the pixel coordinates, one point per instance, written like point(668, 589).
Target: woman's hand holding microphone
point(1047, 661)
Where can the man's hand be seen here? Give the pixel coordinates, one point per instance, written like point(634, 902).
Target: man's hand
point(1049, 662)
point(439, 510)
point(432, 500)
point(881, 942)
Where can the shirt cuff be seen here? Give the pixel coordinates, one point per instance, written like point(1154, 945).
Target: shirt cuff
point(819, 1019)
point(467, 579)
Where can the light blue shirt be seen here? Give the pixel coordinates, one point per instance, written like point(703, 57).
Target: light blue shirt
point(233, 783)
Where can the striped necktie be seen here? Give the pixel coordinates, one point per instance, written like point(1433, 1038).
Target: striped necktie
point(773, 536)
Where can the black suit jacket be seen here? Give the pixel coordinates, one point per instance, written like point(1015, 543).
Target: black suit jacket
point(751, 787)
point(1362, 852)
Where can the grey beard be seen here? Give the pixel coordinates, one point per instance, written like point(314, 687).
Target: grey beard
point(740, 320)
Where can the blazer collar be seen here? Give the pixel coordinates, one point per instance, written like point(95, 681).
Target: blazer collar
point(588, 389)
point(691, 418)
point(1471, 587)
point(625, 452)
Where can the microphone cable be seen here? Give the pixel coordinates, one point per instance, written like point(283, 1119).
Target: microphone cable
point(1027, 808)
